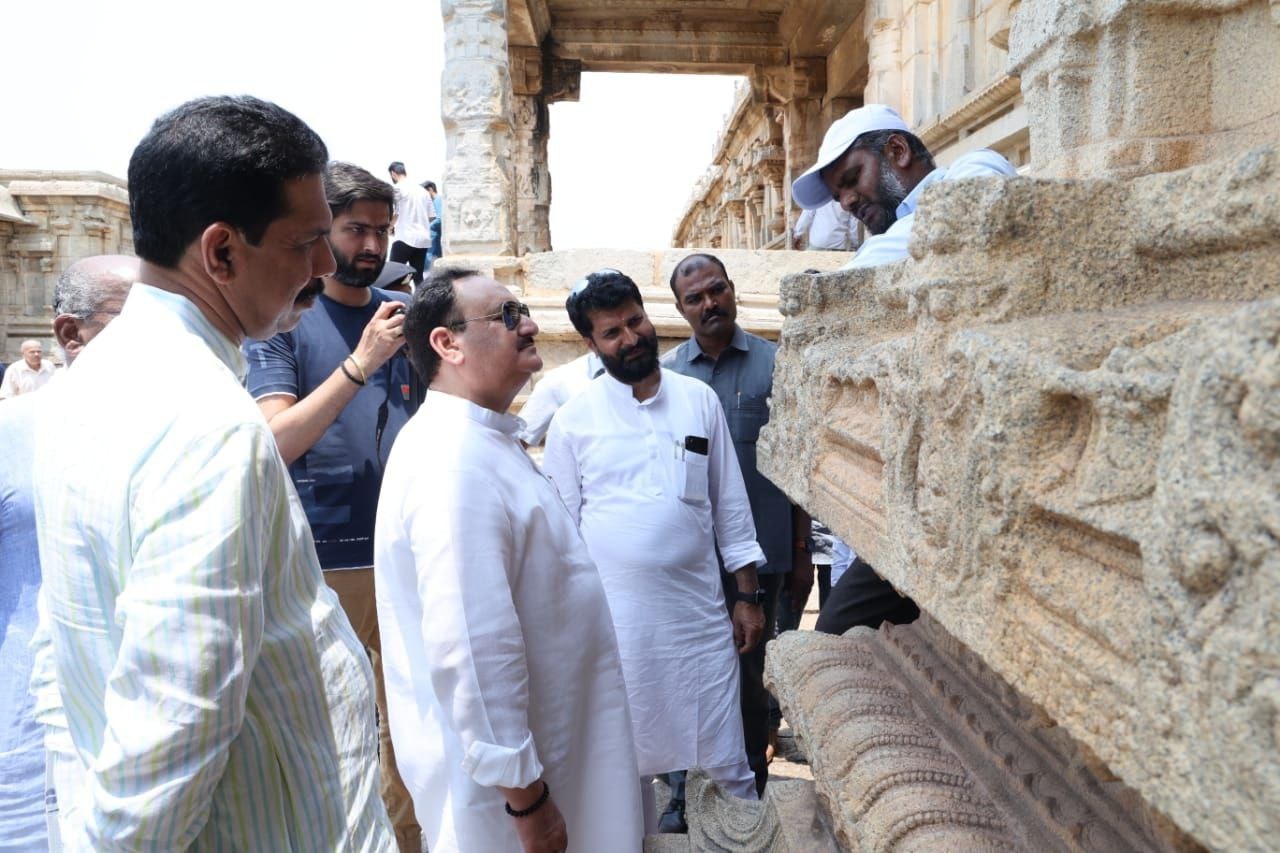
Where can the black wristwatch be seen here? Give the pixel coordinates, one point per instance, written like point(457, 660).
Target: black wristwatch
point(756, 597)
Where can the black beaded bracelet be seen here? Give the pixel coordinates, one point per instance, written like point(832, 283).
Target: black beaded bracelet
point(546, 792)
point(342, 365)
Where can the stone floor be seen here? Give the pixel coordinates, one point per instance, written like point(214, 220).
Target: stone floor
point(742, 830)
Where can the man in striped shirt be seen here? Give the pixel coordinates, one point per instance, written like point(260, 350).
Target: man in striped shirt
point(214, 691)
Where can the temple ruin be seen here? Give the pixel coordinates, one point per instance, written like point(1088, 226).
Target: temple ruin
point(1056, 425)
point(48, 221)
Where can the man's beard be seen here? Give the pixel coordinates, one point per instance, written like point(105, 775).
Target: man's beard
point(631, 372)
point(348, 274)
point(890, 192)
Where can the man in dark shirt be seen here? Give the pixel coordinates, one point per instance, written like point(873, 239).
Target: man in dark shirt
point(739, 368)
point(336, 391)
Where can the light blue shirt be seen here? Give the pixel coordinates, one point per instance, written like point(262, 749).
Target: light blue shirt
point(214, 691)
point(892, 244)
point(22, 825)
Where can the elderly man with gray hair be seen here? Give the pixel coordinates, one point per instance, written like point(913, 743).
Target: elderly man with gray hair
point(30, 374)
point(88, 296)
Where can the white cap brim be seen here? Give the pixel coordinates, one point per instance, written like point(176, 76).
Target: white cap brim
point(809, 190)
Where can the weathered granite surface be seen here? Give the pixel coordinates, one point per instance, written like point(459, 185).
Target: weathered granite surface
point(1057, 427)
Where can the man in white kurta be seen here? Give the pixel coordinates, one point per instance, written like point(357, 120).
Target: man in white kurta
point(645, 463)
point(502, 673)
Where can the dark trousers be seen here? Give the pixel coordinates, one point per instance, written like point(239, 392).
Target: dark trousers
point(862, 597)
point(754, 698)
point(403, 253)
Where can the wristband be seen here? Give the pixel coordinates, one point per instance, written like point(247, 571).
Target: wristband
point(342, 365)
point(364, 377)
point(546, 792)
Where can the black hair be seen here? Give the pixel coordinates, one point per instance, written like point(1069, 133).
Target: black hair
point(876, 140)
point(219, 159)
point(346, 184)
point(433, 305)
point(685, 267)
point(397, 167)
point(430, 185)
point(605, 290)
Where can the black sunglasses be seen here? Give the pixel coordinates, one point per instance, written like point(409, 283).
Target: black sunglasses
point(511, 312)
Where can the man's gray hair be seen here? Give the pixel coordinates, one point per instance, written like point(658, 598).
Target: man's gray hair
point(80, 291)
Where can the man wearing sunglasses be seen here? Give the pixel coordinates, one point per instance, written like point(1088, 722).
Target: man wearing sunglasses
point(507, 703)
point(335, 391)
point(645, 463)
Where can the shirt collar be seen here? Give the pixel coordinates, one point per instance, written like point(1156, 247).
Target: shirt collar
point(622, 391)
point(147, 299)
point(909, 203)
point(594, 365)
point(460, 407)
point(739, 341)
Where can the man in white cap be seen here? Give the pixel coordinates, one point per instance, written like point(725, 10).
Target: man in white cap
point(876, 169)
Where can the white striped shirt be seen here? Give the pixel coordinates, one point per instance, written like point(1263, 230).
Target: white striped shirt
point(214, 690)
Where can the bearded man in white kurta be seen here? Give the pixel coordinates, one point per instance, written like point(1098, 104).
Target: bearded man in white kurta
point(645, 463)
point(502, 673)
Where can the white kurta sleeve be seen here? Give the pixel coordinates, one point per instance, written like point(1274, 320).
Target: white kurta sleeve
point(561, 465)
point(731, 511)
point(467, 559)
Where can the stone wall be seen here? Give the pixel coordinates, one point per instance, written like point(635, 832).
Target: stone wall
point(49, 220)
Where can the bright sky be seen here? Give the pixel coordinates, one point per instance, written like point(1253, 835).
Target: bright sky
point(85, 79)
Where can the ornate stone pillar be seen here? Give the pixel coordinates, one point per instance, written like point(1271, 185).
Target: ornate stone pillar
point(480, 197)
point(533, 177)
point(802, 127)
point(884, 64)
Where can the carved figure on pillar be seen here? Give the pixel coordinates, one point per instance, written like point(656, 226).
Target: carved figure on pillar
point(477, 116)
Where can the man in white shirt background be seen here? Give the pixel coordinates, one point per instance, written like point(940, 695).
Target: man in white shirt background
point(552, 391)
point(828, 228)
point(876, 169)
point(646, 465)
point(30, 374)
point(508, 710)
point(414, 214)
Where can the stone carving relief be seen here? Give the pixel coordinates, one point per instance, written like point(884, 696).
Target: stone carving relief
point(477, 112)
point(1066, 451)
point(915, 744)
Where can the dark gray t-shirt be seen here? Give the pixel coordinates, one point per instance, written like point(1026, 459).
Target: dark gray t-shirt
point(339, 477)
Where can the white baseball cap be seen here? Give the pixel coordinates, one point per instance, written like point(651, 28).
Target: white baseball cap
point(808, 190)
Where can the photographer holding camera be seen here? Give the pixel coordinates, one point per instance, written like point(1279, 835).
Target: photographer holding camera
point(335, 392)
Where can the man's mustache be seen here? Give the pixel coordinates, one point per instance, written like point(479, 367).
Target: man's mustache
point(642, 344)
point(710, 313)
